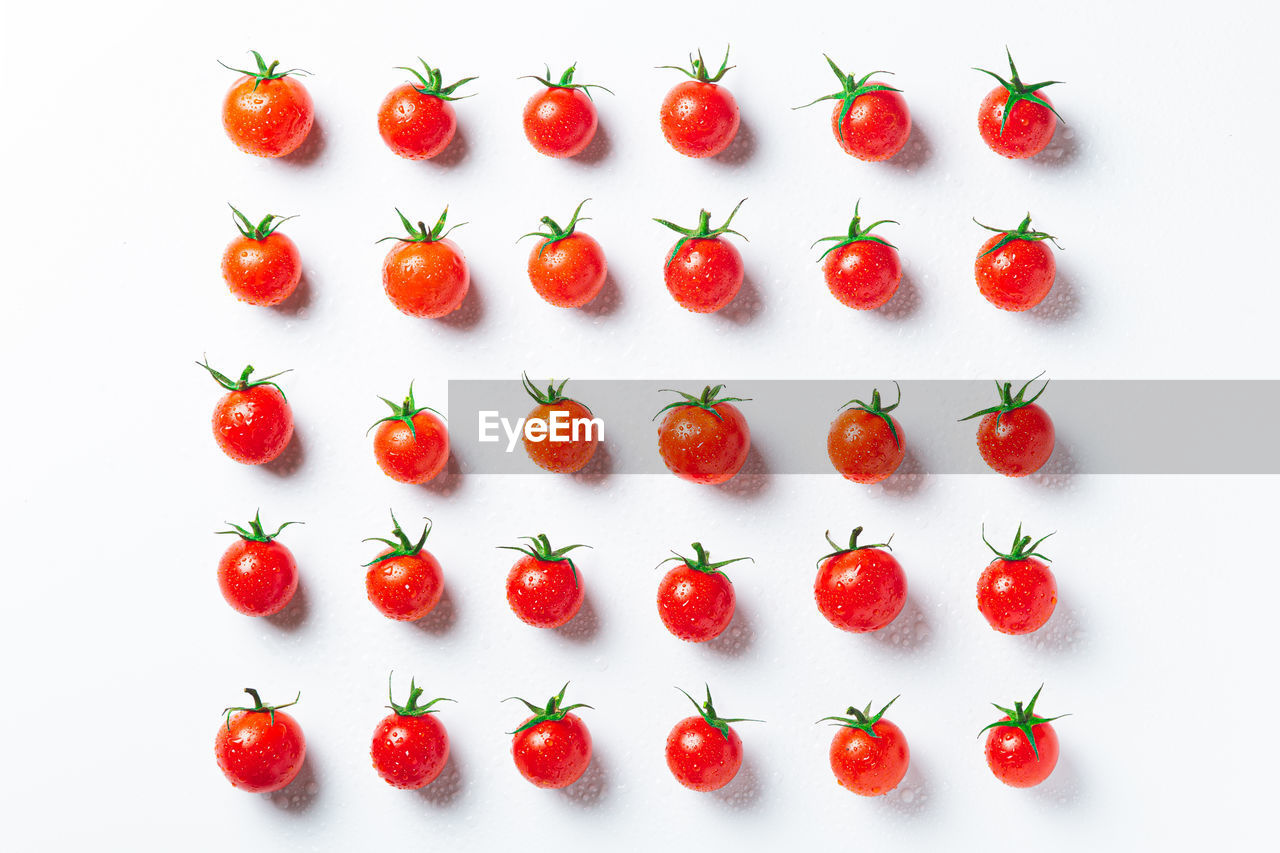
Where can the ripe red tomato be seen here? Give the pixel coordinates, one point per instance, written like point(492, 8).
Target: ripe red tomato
point(1022, 748)
point(261, 266)
point(267, 113)
point(566, 268)
point(1015, 269)
point(860, 588)
point(862, 270)
point(554, 409)
point(1015, 119)
point(560, 120)
point(411, 444)
point(703, 272)
point(257, 575)
point(865, 442)
point(1015, 437)
point(704, 439)
point(404, 582)
point(704, 752)
point(410, 747)
point(252, 423)
point(426, 275)
point(417, 121)
point(695, 599)
point(869, 755)
point(872, 121)
point(552, 749)
point(260, 749)
point(699, 117)
point(1017, 592)
point(543, 587)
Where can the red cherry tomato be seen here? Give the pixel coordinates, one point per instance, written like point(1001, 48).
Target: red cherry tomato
point(704, 271)
point(410, 746)
point(695, 599)
point(1016, 120)
point(871, 120)
point(261, 266)
point(560, 120)
point(1022, 747)
point(704, 439)
point(552, 749)
point(260, 749)
point(543, 587)
point(571, 439)
point(411, 445)
point(1015, 269)
point(869, 754)
point(704, 752)
point(860, 588)
point(1017, 592)
point(252, 423)
point(862, 270)
point(1015, 438)
point(267, 113)
point(417, 121)
point(257, 575)
point(567, 267)
point(865, 442)
point(426, 275)
point(699, 117)
point(404, 582)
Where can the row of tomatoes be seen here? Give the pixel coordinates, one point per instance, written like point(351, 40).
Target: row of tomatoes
point(269, 113)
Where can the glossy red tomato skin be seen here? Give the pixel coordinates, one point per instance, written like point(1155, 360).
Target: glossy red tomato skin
point(861, 590)
point(1018, 275)
point(699, 447)
point(862, 448)
point(570, 272)
point(563, 457)
point(405, 588)
point(560, 122)
point(870, 766)
point(412, 456)
point(705, 275)
point(554, 753)
point(1027, 132)
point(863, 275)
point(544, 593)
point(1017, 596)
point(1019, 444)
point(701, 757)
point(257, 578)
point(416, 126)
point(695, 606)
point(271, 120)
point(1011, 759)
point(699, 119)
point(258, 756)
point(253, 426)
point(876, 126)
point(262, 272)
point(426, 279)
point(409, 752)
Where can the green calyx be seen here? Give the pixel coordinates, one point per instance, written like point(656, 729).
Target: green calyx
point(1010, 401)
point(263, 229)
point(708, 713)
point(1023, 719)
point(566, 81)
point(552, 713)
point(852, 87)
point(853, 546)
point(411, 708)
point(255, 531)
point(701, 561)
point(857, 234)
point(244, 382)
point(1019, 91)
point(1022, 547)
point(709, 399)
point(258, 707)
point(554, 393)
point(432, 82)
point(554, 232)
point(881, 412)
point(400, 546)
point(862, 720)
point(704, 231)
point(1022, 232)
point(539, 548)
point(421, 233)
point(265, 71)
point(404, 412)
point(698, 70)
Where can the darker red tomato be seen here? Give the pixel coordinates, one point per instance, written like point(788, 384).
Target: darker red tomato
point(252, 423)
point(426, 275)
point(261, 266)
point(866, 443)
point(552, 749)
point(267, 113)
point(862, 271)
point(1017, 592)
point(704, 752)
point(871, 120)
point(570, 440)
point(699, 117)
point(544, 588)
point(260, 749)
point(560, 120)
point(704, 439)
point(869, 754)
point(1015, 268)
point(411, 444)
point(1022, 747)
point(695, 599)
point(410, 746)
point(567, 268)
point(416, 120)
point(704, 271)
point(404, 582)
point(1016, 120)
point(1015, 438)
point(257, 575)
point(860, 588)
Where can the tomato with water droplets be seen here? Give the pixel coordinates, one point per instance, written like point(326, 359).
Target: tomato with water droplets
point(699, 117)
point(544, 588)
point(552, 748)
point(1016, 436)
point(704, 439)
point(704, 752)
point(404, 582)
point(860, 588)
point(426, 274)
point(560, 120)
point(252, 422)
point(257, 575)
point(869, 754)
point(1016, 119)
point(410, 746)
point(411, 445)
point(865, 443)
point(416, 120)
point(260, 748)
point(261, 266)
point(1022, 747)
point(695, 598)
point(267, 112)
point(1017, 592)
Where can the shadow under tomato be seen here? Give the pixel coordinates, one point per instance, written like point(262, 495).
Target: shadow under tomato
point(908, 633)
point(599, 469)
point(448, 787)
point(1061, 306)
point(908, 480)
point(745, 791)
point(311, 149)
point(916, 153)
point(1061, 152)
point(597, 149)
point(298, 302)
point(592, 788)
point(291, 460)
point(1064, 787)
point(584, 627)
point(442, 617)
point(751, 481)
point(1062, 634)
point(911, 797)
point(743, 147)
point(607, 301)
point(301, 794)
point(738, 638)
point(454, 153)
point(469, 314)
point(746, 305)
point(448, 481)
point(294, 614)
point(904, 303)
point(1059, 473)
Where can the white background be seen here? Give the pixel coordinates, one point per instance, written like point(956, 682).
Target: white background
point(120, 653)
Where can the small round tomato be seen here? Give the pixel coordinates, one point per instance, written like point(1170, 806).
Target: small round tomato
point(543, 587)
point(860, 588)
point(865, 442)
point(1015, 438)
point(260, 749)
point(426, 275)
point(699, 117)
point(411, 444)
point(410, 747)
point(567, 267)
point(417, 121)
point(253, 422)
point(704, 752)
point(1015, 119)
point(261, 266)
point(862, 270)
point(552, 749)
point(1017, 592)
point(872, 121)
point(695, 599)
point(869, 754)
point(404, 582)
point(1015, 269)
point(267, 113)
point(569, 440)
point(704, 439)
point(1022, 747)
point(703, 272)
point(257, 575)
point(560, 120)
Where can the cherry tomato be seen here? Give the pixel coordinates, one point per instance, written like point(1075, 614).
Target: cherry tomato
point(543, 587)
point(257, 575)
point(404, 582)
point(1016, 120)
point(261, 266)
point(253, 422)
point(417, 121)
point(1015, 438)
point(704, 752)
point(699, 117)
point(260, 749)
point(426, 275)
point(410, 746)
point(1017, 592)
point(1022, 747)
point(862, 270)
point(267, 113)
point(869, 754)
point(865, 442)
point(567, 267)
point(695, 599)
point(1015, 269)
point(411, 444)
point(567, 418)
point(872, 121)
point(703, 272)
point(860, 588)
point(552, 749)
point(560, 120)
point(704, 439)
